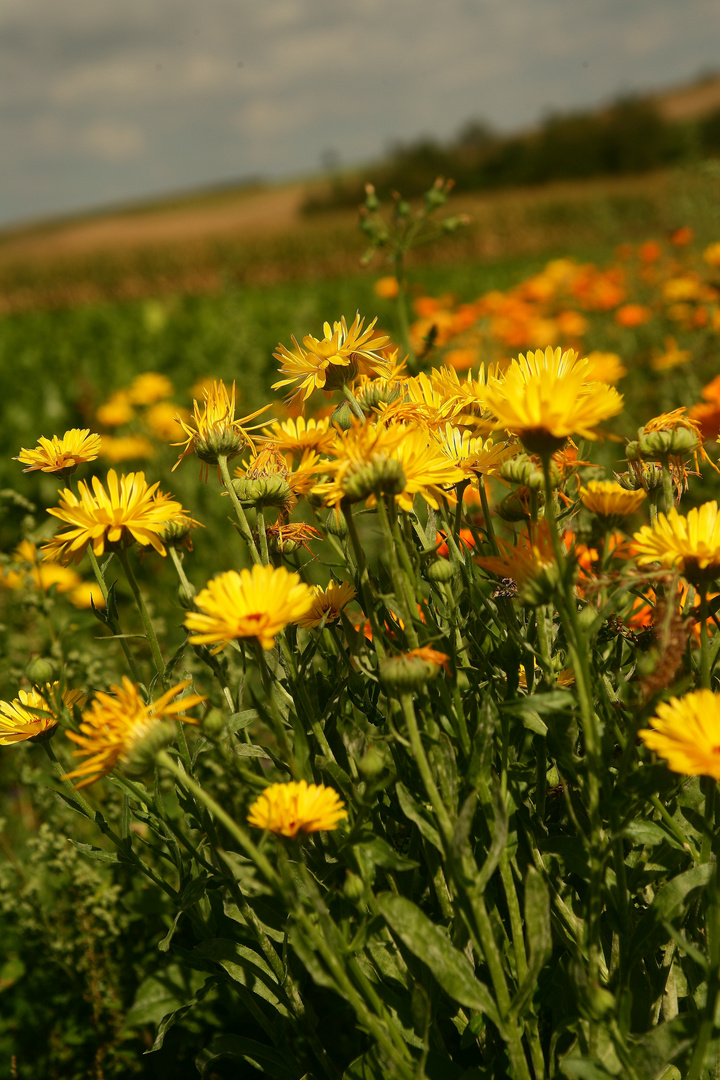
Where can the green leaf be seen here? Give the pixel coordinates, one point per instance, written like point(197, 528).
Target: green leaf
point(553, 701)
point(531, 720)
point(268, 1061)
point(649, 832)
point(379, 852)
point(575, 1069)
point(246, 967)
point(172, 1018)
point(424, 939)
point(537, 919)
point(94, 852)
point(668, 902)
point(163, 993)
point(499, 835)
point(662, 1045)
point(412, 810)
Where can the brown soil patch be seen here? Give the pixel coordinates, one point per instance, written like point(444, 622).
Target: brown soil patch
point(270, 210)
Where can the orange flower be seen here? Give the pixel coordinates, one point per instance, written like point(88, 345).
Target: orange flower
point(631, 315)
point(466, 540)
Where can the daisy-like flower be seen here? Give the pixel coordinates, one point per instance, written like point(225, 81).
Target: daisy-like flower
point(328, 603)
point(297, 807)
point(686, 733)
point(130, 511)
point(547, 396)
point(213, 431)
point(117, 722)
point(61, 455)
point(475, 456)
point(149, 387)
point(690, 545)
point(295, 436)
point(397, 460)
point(255, 603)
point(608, 499)
point(117, 448)
point(329, 362)
point(34, 713)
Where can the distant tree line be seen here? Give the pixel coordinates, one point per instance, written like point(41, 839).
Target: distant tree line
point(628, 137)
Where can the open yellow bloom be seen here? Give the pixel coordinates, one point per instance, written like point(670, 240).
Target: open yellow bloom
point(117, 722)
point(475, 456)
point(547, 396)
point(149, 387)
point(296, 436)
point(329, 362)
point(130, 511)
point(34, 712)
point(686, 733)
point(608, 499)
point(212, 430)
point(287, 809)
point(255, 603)
point(61, 455)
point(328, 603)
point(691, 544)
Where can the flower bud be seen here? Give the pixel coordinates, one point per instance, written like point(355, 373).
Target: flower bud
point(227, 442)
point(342, 416)
point(379, 476)
point(270, 490)
point(176, 532)
point(527, 472)
point(186, 595)
point(516, 505)
point(143, 754)
point(403, 674)
point(353, 887)
point(439, 570)
point(336, 524)
point(372, 763)
point(40, 670)
point(679, 441)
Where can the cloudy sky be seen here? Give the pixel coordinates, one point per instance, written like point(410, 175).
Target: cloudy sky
point(109, 100)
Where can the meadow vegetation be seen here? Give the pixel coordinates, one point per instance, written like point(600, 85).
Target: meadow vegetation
point(385, 745)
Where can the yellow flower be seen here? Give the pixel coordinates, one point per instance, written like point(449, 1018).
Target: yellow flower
point(329, 362)
point(691, 544)
point(545, 397)
point(328, 603)
point(117, 410)
point(126, 448)
point(34, 712)
point(255, 603)
point(117, 722)
point(686, 733)
point(87, 595)
point(61, 455)
point(48, 573)
point(130, 511)
point(672, 357)
point(608, 499)
point(148, 388)
point(165, 420)
point(474, 456)
point(606, 367)
point(287, 809)
point(711, 254)
point(397, 460)
point(213, 431)
point(295, 436)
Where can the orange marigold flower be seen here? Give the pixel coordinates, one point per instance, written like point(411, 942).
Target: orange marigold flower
point(630, 315)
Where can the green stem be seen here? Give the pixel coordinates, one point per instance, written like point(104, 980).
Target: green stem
point(236, 831)
point(421, 760)
point(263, 536)
point(100, 578)
point(353, 402)
point(146, 620)
point(363, 580)
point(401, 585)
point(667, 485)
point(245, 529)
point(401, 307)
